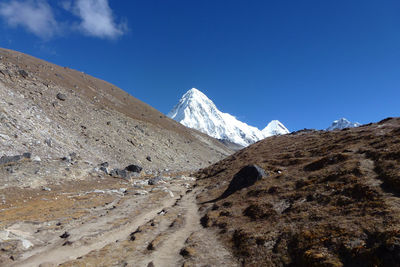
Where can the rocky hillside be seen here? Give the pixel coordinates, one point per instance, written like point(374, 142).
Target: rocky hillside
point(310, 198)
point(51, 112)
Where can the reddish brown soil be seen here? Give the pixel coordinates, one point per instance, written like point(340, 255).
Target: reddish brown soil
point(330, 199)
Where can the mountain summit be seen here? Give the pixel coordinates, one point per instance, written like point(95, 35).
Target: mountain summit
point(196, 110)
point(342, 123)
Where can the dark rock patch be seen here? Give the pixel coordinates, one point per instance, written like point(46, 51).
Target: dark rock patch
point(155, 180)
point(133, 168)
point(118, 173)
point(23, 74)
point(246, 177)
point(65, 235)
point(61, 97)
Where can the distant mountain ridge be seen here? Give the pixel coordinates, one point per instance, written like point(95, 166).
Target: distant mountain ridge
point(196, 110)
point(342, 123)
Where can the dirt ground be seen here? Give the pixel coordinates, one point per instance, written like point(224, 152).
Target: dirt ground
point(107, 222)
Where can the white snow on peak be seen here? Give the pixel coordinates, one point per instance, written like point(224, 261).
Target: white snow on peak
point(342, 123)
point(196, 110)
point(275, 127)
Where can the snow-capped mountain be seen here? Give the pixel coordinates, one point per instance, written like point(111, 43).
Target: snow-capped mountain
point(342, 124)
point(196, 110)
point(275, 127)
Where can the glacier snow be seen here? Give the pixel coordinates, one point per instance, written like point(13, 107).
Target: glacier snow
point(196, 110)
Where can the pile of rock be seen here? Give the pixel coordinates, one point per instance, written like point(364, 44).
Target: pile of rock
point(126, 173)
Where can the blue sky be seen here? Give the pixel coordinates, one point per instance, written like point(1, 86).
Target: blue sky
point(305, 62)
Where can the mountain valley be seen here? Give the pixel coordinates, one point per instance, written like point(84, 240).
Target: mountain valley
point(91, 176)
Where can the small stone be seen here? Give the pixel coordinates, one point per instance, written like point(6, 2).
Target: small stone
point(65, 235)
point(48, 142)
point(61, 97)
point(148, 158)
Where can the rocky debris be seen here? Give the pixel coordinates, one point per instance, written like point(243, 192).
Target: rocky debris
point(140, 192)
point(246, 177)
point(104, 167)
point(36, 159)
point(140, 183)
point(71, 158)
point(155, 180)
point(45, 188)
point(133, 168)
point(105, 164)
point(28, 113)
point(118, 173)
point(14, 159)
point(23, 73)
point(49, 142)
point(61, 97)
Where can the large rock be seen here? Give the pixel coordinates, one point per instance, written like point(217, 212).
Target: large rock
point(246, 177)
point(133, 168)
point(13, 159)
point(118, 173)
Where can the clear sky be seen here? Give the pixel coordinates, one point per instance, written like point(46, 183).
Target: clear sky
point(305, 63)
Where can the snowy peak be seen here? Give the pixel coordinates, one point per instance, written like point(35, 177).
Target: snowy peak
point(342, 123)
point(196, 110)
point(275, 127)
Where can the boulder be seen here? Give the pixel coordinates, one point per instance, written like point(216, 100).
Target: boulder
point(9, 159)
point(246, 177)
point(13, 159)
point(133, 168)
point(118, 173)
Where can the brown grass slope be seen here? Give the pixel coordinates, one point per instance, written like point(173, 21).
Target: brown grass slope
point(330, 199)
point(97, 120)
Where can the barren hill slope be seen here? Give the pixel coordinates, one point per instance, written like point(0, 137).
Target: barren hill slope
point(52, 111)
point(328, 198)
point(85, 166)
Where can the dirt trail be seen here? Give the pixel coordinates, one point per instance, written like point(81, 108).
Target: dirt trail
point(135, 231)
point(169, 252)
point(58, 254)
